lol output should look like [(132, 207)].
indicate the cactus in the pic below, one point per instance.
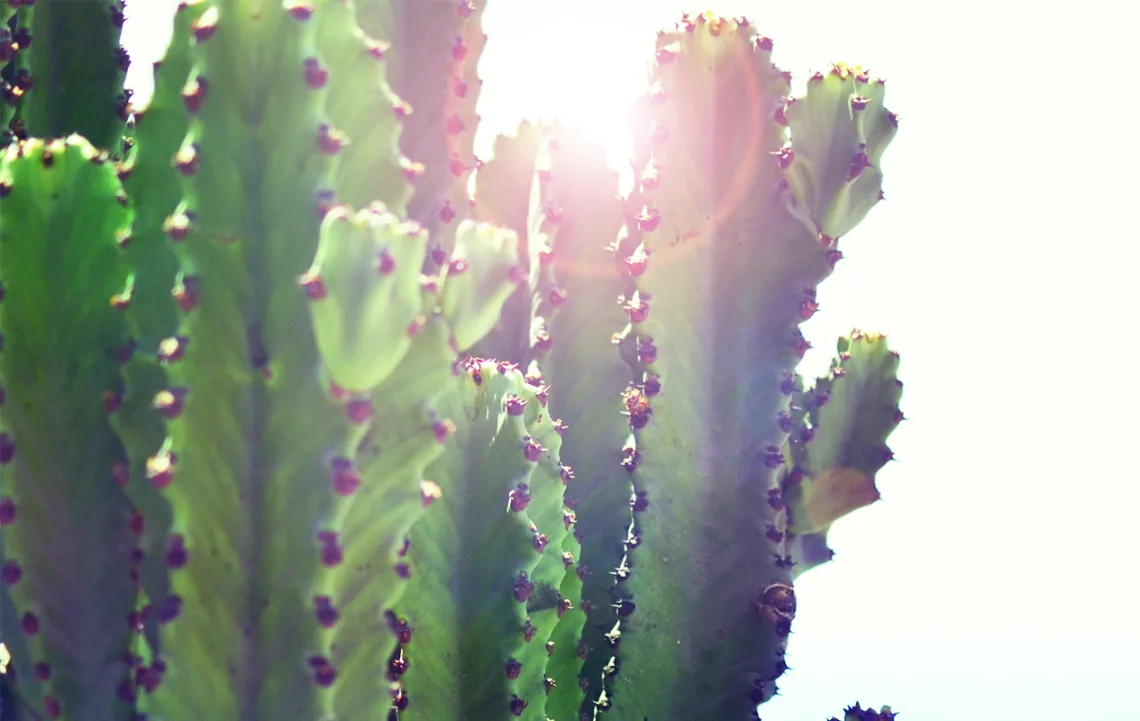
[(294, 427)]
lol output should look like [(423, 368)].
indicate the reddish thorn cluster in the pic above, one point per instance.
[(11, 572), (859, 163), (397, 665), (171, 350), (7, 511), (187, 160), (458, 50), (324, 674), (442, 430), (523, 587), (299, 10), (30, 623), (637, 407), (385, 263), (515, 405), (513, 668), (446, 212), (51, 707), (775, 500), (648, 220), (399, 628), (316, 75), (345, 477), (532, 450), (519, 498), (203, 28), (630, 459), (187, 292), (177, 226), (169, 610), (517, 705), (329, 139), (638, 309), (773, 458), (194, 94), (176, 555), (170, 402), (358, 410), (331, 552), (160, 469), (566, 473)]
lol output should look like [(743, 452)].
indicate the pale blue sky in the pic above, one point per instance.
[(993, 581)]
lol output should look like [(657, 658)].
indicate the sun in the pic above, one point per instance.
[(572, 63)]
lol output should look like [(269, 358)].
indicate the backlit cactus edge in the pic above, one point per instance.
[(256, 460)]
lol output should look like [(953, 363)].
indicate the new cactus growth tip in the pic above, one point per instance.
[(294, 427)]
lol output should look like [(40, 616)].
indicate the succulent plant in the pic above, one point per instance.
[(292, 426)]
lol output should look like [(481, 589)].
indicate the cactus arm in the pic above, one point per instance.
[(729, 269), (479, 562), (15, 78), (63, 518), (839, 444), (157, 133), (437, 45), (503, 186), (576, 217), (77, 70), (858, 713), (363, 107)]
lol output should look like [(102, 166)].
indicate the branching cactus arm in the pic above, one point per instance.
[(63, 518), (732, 257), (485, 560), (839, 443)]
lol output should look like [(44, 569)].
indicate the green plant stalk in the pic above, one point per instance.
[(503, 187), (269, 576), (15, 77), (77, 69), (839, 443), (731, 257), (437, 45), (485, 560), (576, 216), (63, 518)]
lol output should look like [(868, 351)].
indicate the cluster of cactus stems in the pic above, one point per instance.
[(293, 426)]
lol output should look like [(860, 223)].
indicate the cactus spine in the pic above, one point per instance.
[(248, 394)]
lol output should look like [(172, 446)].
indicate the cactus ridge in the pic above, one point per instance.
[(62, 216), (486, 559), (838, 443), (718, 280)]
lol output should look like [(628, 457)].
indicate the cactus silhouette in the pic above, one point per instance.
[(295, 427)]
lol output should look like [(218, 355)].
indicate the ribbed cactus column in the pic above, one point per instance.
[(486, 560), (287, 486), (64, 521), (729, 259), (576, 218)]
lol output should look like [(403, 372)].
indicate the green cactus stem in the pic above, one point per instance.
[(270, 580), (839, 443), (75, 72), (436, 47), (503, 186), (486, 561), (581, 280), (858, 713), (732, 247), (64, 519), (15, 77)]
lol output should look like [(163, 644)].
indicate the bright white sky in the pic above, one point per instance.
[(994, 582)]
